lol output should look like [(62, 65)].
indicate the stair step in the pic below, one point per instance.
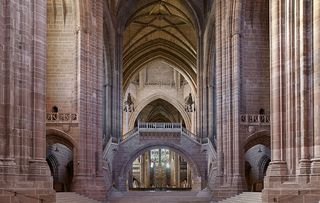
[(246, 197), (71, 197), (158, 197)]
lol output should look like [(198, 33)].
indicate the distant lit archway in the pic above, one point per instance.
[(160, 169)]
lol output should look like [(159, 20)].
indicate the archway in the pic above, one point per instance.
[(160, 169), (60, 156), (60, 161), (257, 158), (190, 152), (194, 181)]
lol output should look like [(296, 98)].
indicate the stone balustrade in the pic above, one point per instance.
[(129, 134), (164, 128), (190, 134), (62, 118), (160, 83), (159, 126), (255, 119)]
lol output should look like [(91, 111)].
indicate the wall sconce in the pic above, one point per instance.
[(189, 105), (128, 104)]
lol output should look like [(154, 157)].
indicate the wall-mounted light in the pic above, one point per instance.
[(189, 105), (128, 104)]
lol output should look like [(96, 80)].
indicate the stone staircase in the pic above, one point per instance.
[(158, 197), (71, 197), (245, 197)]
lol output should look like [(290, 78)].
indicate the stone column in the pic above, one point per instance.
[(7, 94), (38, 165), (316, 88), (147, 178), (188, 175), (219, 117), (277, 63), (142, 169), (130, 178), (22, 102), (304, 40), (277, 169), (177, 166), (200, 98), (196, 183), (211, 112), (238, 153)]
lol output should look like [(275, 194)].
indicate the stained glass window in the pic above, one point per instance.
[(154, 157), (164, 157)]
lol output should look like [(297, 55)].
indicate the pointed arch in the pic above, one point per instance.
[(133, 117)]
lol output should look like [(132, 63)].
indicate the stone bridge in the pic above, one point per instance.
[(154, 135)]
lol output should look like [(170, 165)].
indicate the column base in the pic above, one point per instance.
[(33, 187), (304, 166), (39, 171), (315, 166), (304, 171), (223, 192), (302, 188), (7, 164), (291, 193), (93, 187), (276, 174), (238, 183), (30, 195), (121, 184), (233, 186), (315, 172), (196, 183)]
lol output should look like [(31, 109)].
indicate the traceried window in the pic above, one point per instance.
[(154, 157), (159, 157)]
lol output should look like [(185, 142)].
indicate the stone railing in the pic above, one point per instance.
[(190, 134), (159, 126), (255, 119), (129, 134), (62, 118), (160, 83)]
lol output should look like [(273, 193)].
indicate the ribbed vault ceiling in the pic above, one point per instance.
[(161, 27), (161, 19)]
